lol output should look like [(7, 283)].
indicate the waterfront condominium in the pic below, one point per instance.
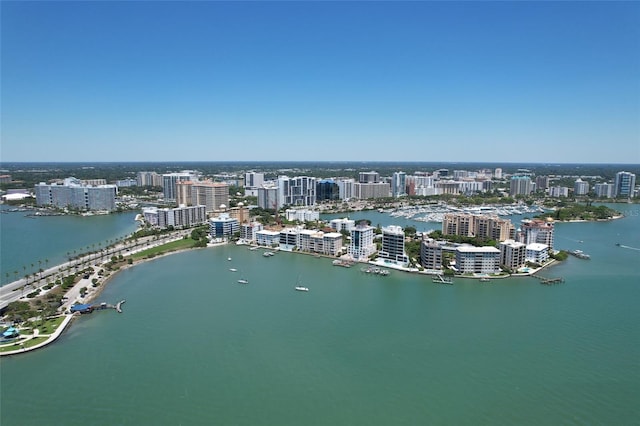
[(223, 227), (180, 217), (537, 231), (624, 184), (473, 225), (512, 254), (72, 194), (393, 245), (477, 260), (431, 254), (362, 245)]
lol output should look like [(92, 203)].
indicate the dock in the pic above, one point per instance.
[(549, 281)]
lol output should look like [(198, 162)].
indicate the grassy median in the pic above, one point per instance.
[(164, 248)]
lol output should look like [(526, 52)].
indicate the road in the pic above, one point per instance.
[(18, 289)]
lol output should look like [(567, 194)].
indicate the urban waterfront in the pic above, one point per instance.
[(195, 347)]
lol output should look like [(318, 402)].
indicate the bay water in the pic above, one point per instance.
[(195, 347), (29, 243)]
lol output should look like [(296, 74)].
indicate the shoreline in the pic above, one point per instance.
[(91, 296), (95, 292)]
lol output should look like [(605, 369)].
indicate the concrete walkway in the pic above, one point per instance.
[(50, 338)]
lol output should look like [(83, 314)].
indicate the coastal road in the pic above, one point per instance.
[(16, 290)]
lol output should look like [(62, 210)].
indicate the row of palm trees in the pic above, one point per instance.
[(81, 258)]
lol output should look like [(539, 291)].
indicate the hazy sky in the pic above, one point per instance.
[(398, 81)]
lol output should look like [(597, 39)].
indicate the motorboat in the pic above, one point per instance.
[(301, 288), (243, 281), (233, 269)]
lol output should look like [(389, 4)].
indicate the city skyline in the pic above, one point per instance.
[(552, 82)]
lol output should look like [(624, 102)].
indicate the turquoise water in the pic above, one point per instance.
[(25, 241), (195, 347)]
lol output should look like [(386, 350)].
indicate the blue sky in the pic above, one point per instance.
[(371, 81)]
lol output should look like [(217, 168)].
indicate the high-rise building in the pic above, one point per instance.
[(624, 185), (268, 197), (558, 191), (399, 184), (580, 187), (253, 179), (149, 179), (520, 185), (538, 231), (296, 191), (72, 194), (169, 181), (431, 254), (183, 193), (180, 217), (365, 191), (327, 189), (542, 183), (512, 254), (393, 245), (473, 225), (497, 173), (604, 190), (369, 177), (213, 195), (362, 245), (346, 188)]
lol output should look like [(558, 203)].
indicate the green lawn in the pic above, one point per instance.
[(172, 246)]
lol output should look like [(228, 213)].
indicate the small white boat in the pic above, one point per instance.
[(300, 287), (233, 269), (229, 259), (243, 281)]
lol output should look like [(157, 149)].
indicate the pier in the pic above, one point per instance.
[(549, 281)]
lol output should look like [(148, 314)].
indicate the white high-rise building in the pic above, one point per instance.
[(253, 180), (362, 245), (393, 245), (296, 191), (169, 181), (624, 184), (520, 185), (580, 187), (603, 190), (399, 184)]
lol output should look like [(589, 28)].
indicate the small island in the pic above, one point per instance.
[(581, 213)]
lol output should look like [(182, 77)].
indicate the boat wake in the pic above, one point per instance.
[(629, 247)]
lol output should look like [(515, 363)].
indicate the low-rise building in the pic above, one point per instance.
[(267, 238), (223, 227), (537, 253)]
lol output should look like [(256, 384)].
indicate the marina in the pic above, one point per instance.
[(267, 340)]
